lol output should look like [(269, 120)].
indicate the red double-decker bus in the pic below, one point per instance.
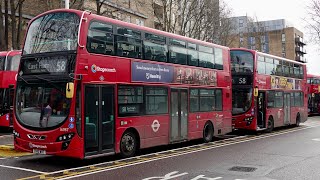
[(314, 94), (267, 91), (90, 86), (9, 64)]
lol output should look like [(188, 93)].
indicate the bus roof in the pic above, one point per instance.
[(268, 55), (133, 26), (313, 76)]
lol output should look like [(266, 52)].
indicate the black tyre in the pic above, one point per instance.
[(128, 144), (208, 132), (270, 125), (298, 120)]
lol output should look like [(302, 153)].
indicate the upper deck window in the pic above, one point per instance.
[(52, 32), (155, 47), (100, 38), (128, 43), (241, 61)]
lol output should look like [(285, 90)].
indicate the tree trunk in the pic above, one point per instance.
[(2, 40), (19, 24), (6, 24), (13, 25)]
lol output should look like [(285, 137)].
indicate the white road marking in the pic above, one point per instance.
[(183, 153), (316, 139), (23, 169)]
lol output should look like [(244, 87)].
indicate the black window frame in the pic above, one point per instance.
[(198, 99), (146, 96), (105, 42)]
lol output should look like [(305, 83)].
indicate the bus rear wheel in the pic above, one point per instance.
[(128, 144), (298, 120), (270, 125), (207, 132)]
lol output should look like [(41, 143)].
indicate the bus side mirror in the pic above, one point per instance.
[(69, 90), (255, 92)]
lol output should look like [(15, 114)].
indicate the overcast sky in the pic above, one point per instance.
[(292, 10)]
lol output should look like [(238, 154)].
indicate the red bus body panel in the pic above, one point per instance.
[(7, 78), (121, 74), (263, 83), (313, 95)]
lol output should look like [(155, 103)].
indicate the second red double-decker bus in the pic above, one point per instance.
[(268, 91), (9, 64), (134, 87), (314, 94)]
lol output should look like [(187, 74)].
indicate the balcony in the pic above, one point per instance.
[(299, 40), (301, 59), (301, 50)]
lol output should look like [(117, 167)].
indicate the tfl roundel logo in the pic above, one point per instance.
[(94, 68)]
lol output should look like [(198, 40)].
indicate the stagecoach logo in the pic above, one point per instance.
[(37, 146), (155, 125), (95, 68)]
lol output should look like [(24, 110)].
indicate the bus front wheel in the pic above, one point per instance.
[(128, 145), (270, 125), (208, 132)]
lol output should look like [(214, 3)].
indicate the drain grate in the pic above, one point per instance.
[(242, 169)]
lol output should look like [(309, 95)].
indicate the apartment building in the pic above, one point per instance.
[(278, 37)]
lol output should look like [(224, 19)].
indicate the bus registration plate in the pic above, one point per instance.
[(39, 151)]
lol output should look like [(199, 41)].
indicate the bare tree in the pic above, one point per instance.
[(13, 24), (19, 29), (16, 25), (2, 40), (6, 23), (313, 21), (200, 19)]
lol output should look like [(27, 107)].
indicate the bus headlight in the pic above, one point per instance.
[(248, 120), (65, 137)]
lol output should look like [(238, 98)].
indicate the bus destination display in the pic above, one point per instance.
[(241, 80), (45, 65)]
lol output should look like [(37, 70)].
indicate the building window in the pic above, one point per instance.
[(283, 37), (128, 19), (140, 22), (240, 22), (283, 47), (263, 39)]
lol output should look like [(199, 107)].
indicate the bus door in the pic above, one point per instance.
[(179, 115), (99, 119), (287, 106), (261, 121)]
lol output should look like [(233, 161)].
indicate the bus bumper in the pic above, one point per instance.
[(48, 148)]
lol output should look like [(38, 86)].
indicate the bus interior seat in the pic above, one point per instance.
[(132, 54), (160, 57), (120, 52), (109, 51), (91, 132), (100, 49), (148, 55)]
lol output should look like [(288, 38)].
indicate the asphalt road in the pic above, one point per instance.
[(288, 153)]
